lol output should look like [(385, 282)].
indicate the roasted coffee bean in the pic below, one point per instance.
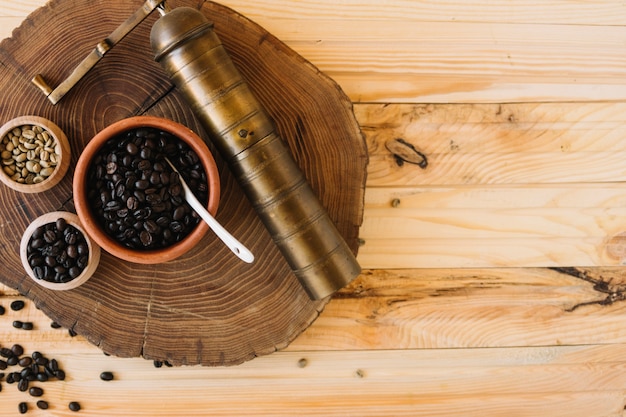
[(42, 405), (60, 375), (72, 252), (35, 391), (6, 352), (17, 305), (2, 310), (74, 406), (132, 149), (3, 365), (25, 372), (106, 376), (82, 261), (71, 237), (22, 407), (55, 325), (27, 325), (111, 168), (25, 361), (179, 213), (177, 227), (12, 360), (22, 385), (50, 236), (18, 324), (17, 350)]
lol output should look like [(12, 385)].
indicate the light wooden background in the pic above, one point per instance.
[(492, 282)]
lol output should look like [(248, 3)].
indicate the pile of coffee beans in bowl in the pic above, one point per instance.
[(135, 195), (57, 252), (34, 153)]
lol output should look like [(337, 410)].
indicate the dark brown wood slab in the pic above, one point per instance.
[(206, 307)]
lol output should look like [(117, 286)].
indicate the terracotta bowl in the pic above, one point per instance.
[(58, 143), (93, 226), (71, 219)]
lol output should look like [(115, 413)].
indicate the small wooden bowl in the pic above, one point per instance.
[(61, 147), (92, 225), (71, 219)]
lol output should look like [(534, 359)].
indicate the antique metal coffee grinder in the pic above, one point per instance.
[(189, 51)]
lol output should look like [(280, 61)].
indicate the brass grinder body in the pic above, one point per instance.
[(189, 50)]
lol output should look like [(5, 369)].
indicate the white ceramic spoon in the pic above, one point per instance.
[(233, 244)]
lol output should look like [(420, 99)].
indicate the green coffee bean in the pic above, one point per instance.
[(28, 154)]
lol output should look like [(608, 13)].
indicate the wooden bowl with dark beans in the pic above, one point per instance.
[(57, 253), (34, 152), (129, 199)]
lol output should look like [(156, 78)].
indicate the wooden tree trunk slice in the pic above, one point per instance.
[(206, 307)]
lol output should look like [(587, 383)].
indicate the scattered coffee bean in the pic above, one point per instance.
[(106, 376), (72, 333), (35, 391), (57, 252), (22, 407), (6, 352), (17, 305), (17, 350), (2, 310), (74, 406), (25, 361), (136, 195), (55, 325), (42, 405), (18, 324), (157, 364), (22, 384), (27, 325)]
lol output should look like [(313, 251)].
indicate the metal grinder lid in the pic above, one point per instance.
[(176, 26)]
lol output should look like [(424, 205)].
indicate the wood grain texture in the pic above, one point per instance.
[(480, 185), (416, 51), (408, 342), (205, 307)]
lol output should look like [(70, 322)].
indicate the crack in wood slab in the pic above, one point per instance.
[(612, 292)]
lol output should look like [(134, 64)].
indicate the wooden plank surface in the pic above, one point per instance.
[(493, 282)]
